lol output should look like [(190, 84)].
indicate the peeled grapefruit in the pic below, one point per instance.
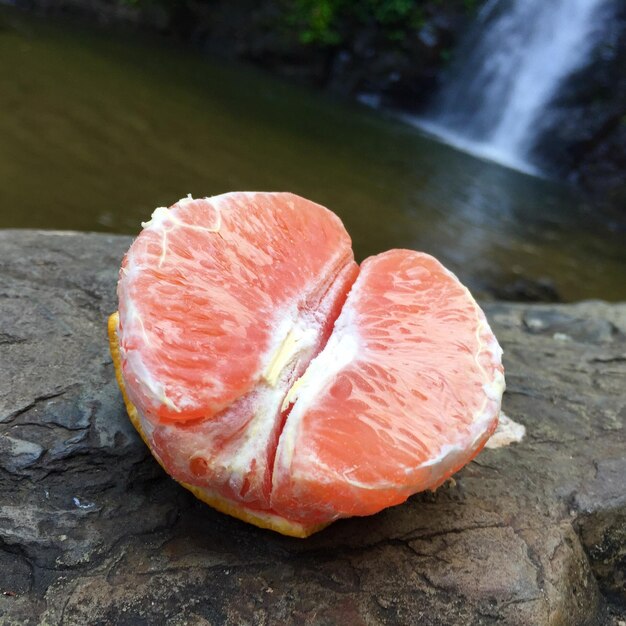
[(283, 384)]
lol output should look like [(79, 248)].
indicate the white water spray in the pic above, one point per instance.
[(509, 69)]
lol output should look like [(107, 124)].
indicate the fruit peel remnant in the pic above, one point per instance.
[(506, 433)]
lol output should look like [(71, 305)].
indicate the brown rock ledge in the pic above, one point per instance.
[(92, 530)]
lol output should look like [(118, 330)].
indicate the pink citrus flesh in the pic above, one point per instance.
[(282, 383)]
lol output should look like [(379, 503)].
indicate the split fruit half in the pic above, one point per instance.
[(282, 383)]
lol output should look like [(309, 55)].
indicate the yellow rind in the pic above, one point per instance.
[(269, 521)]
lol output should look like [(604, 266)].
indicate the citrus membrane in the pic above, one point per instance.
[(282, 383)]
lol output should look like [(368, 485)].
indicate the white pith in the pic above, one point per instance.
[(294, 340), (294, 337), (293, 343), (338, 354)]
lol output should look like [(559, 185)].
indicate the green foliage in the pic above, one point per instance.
[(324, 22), (328, 23), (317, 20), (471, 5), (445, 55)]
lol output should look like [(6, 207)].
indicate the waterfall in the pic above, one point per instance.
[(496, 96)]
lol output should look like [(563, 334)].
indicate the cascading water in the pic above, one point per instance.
[(508, 70)]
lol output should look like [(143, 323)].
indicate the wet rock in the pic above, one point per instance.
[(522, 289), (16, 454), (583, 135), (602, 524), (93, 531), (565, 327)]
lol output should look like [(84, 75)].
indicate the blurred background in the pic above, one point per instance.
[(491, 134)]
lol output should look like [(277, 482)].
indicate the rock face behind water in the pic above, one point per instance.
[(585, 138), (93, 532)]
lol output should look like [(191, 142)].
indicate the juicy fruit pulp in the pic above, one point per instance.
[(283, 384)]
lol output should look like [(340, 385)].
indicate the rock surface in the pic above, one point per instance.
[(92, 530)]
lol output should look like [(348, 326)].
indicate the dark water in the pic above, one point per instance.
[(96, 131)]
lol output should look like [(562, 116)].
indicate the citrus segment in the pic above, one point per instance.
[(406, 391), (211, 286), (223, 302)]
